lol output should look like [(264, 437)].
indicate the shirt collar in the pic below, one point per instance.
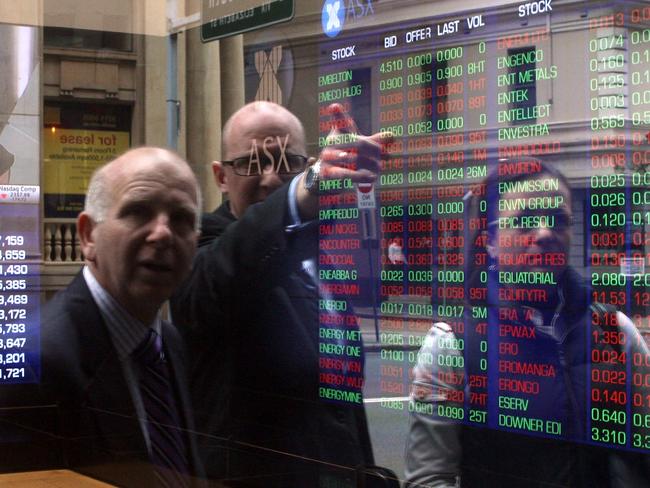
[(126, 332)]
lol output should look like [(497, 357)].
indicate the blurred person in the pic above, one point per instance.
[(6, 162), (250, 309), (110, 365), (547, 329)]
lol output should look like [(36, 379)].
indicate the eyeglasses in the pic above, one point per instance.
[(286, 164)]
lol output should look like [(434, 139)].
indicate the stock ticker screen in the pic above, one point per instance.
[(19, 284), (512, 209)]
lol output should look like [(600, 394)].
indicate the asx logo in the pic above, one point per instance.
[(336, 12)]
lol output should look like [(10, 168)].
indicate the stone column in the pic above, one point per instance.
[(203, 112), (232, 75)]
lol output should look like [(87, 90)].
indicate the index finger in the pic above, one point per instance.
[(341, 120), (381, 137)]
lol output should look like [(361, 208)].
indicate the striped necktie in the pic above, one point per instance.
[(168, 451)]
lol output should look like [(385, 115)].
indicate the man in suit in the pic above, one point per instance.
[(250, 309), (111, 370)]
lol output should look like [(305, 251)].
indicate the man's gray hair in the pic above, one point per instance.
[(98, 197)]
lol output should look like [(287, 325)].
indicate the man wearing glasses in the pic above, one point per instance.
[(250, 308)]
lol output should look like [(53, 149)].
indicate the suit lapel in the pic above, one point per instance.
[(105, 432), (107, 417)]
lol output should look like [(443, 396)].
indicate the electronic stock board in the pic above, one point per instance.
[(502, 92), (19, 284)]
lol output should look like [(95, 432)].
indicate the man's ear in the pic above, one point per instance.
[(220, 177), (85, 231)]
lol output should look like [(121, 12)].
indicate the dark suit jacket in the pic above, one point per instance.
[(86, 413), (253, 330)]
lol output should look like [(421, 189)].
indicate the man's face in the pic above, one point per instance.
[(252, 136), (144, 247), (533, 229)]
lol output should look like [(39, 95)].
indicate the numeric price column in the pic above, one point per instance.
[(419, 197), (19, 285), (607, 411), (392, 221), (639, 97), (639, 235), (450, 69)]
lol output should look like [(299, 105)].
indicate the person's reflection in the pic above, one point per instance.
[(518, 399), (395, 253), (6, 162)]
